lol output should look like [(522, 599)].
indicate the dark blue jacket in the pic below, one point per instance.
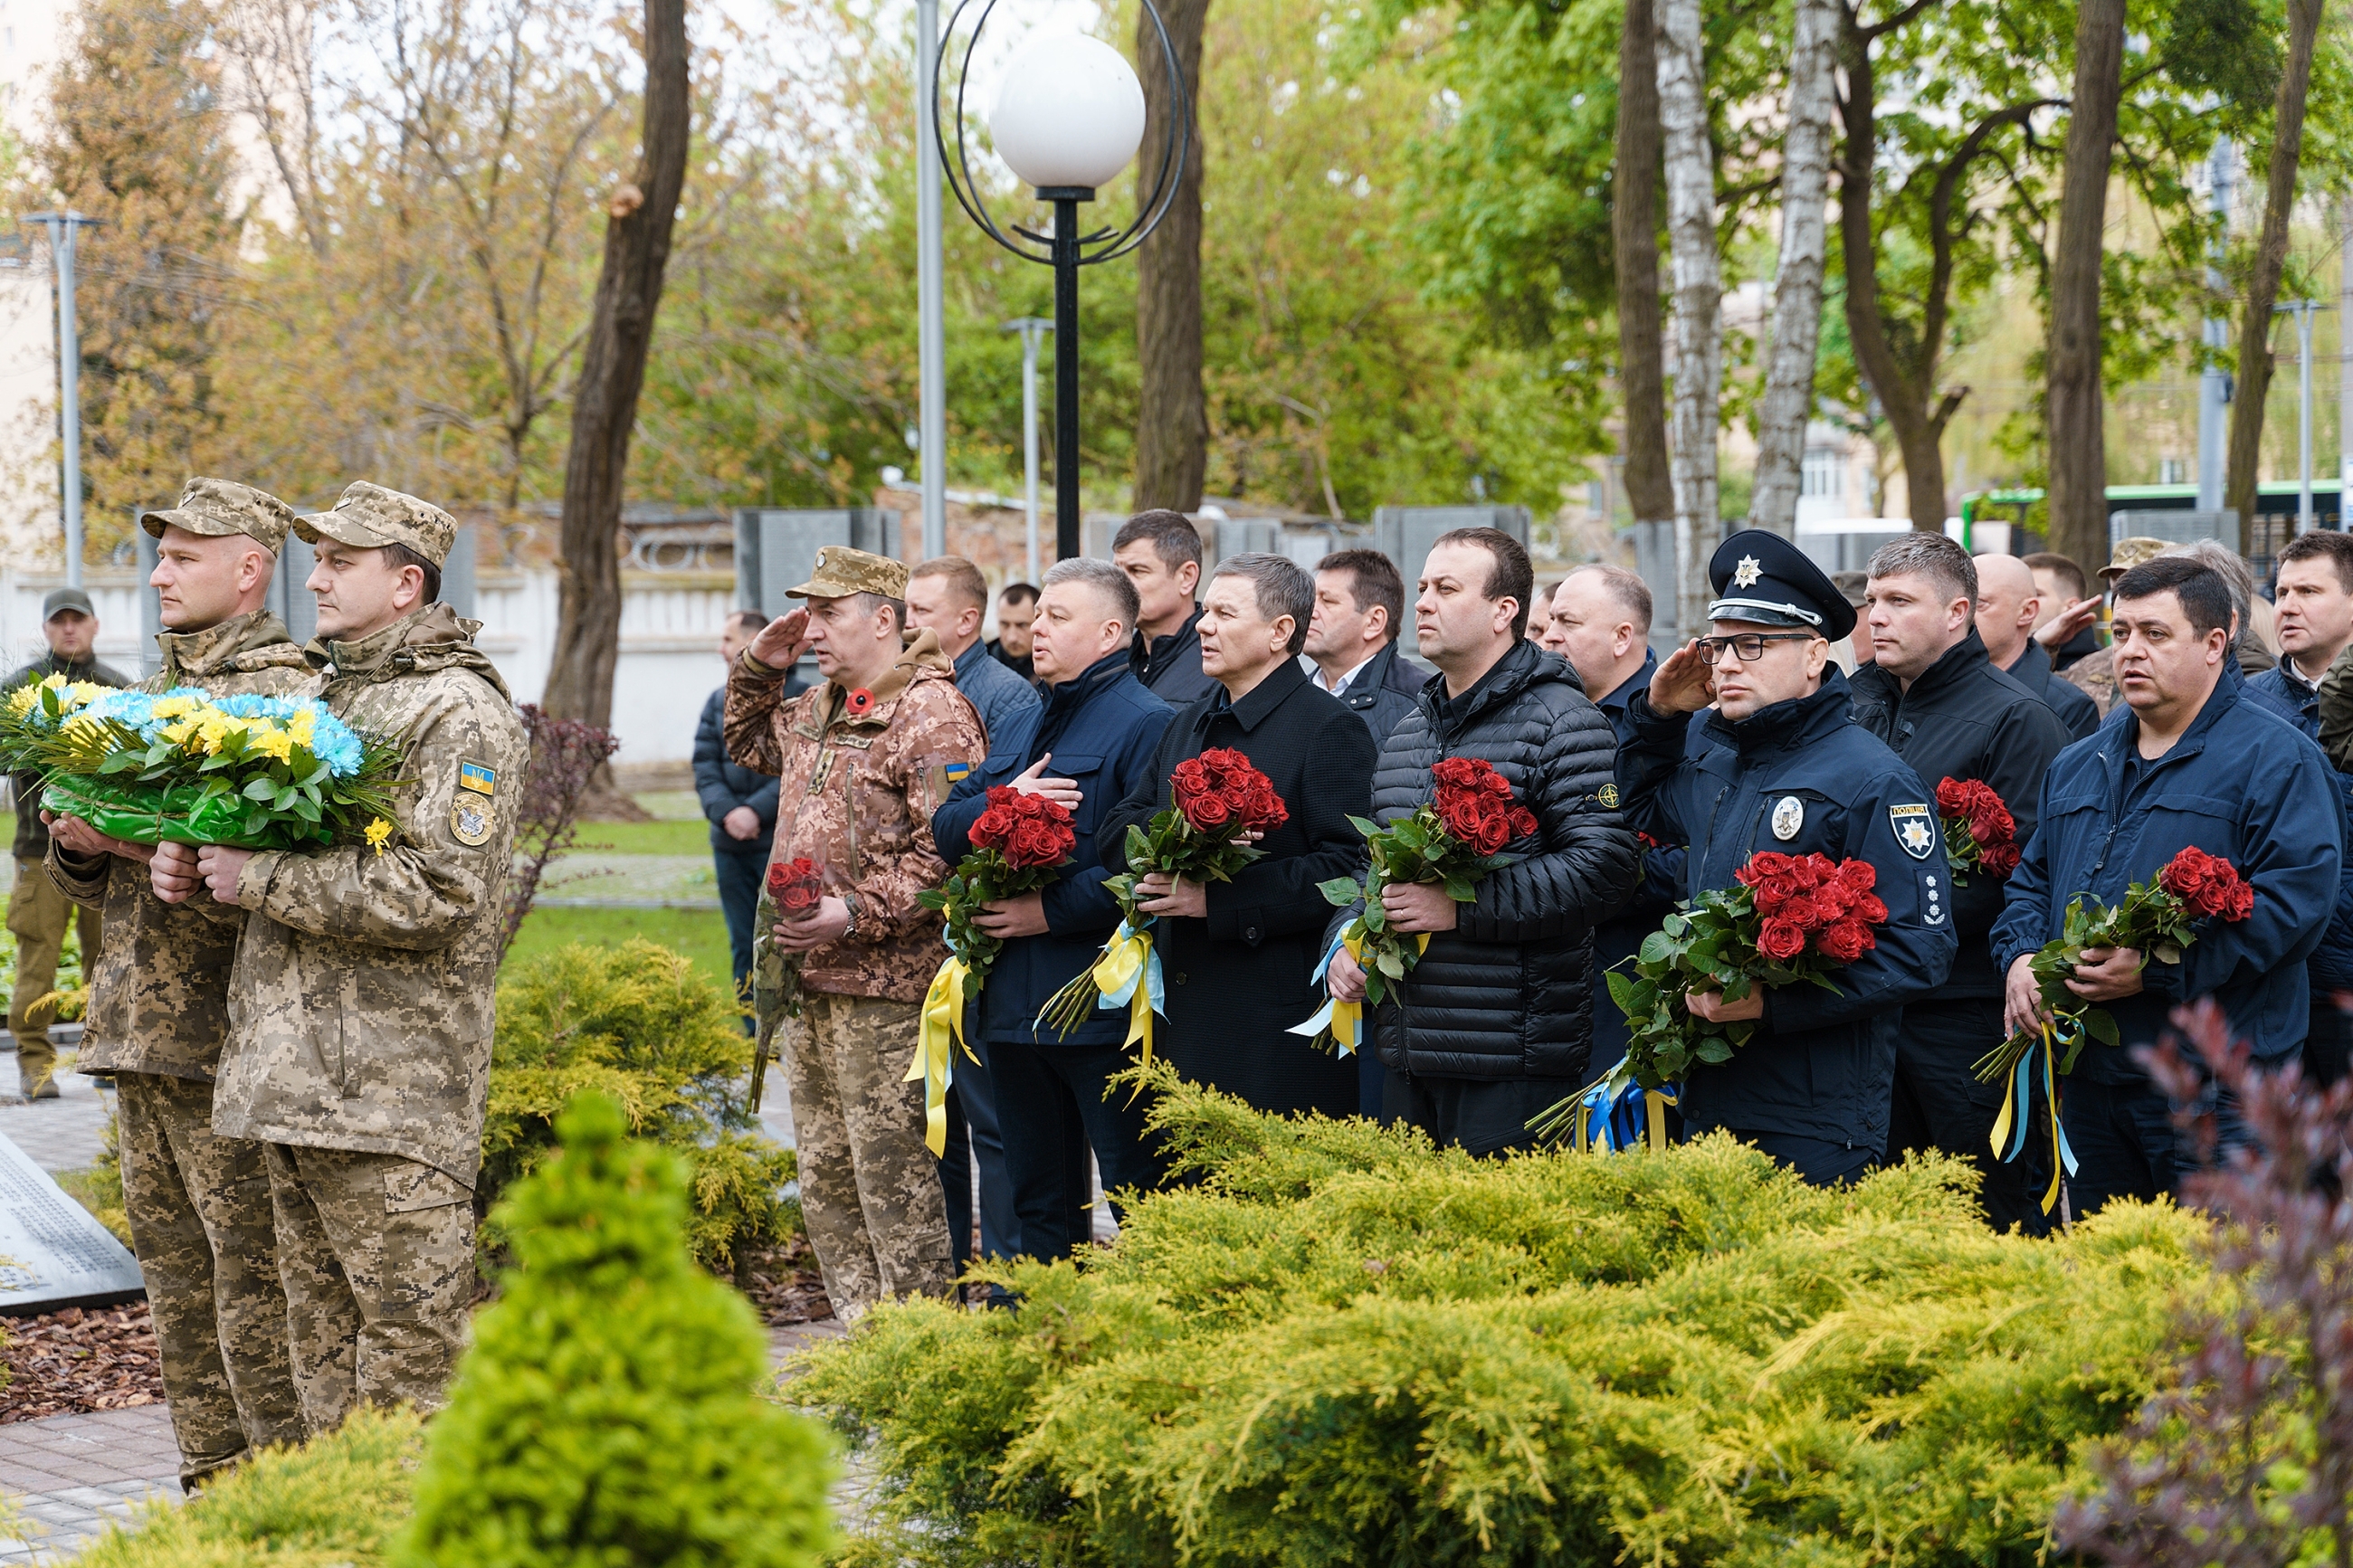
[(1618, 938), (1008, 705), (2242, 784), (724, 785), (2330, 966), (1384, 691), (1102, 729), (1821, 1063)]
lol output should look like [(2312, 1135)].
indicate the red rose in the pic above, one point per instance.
[(1781, 940), (2000, 860), (1498, 785), (1208, 811), (2243, 902), (2186, 875), (1868, 908), (1859, 876), (1763, 864), (795, 884), (1845, 942), (1798, 911), (1524, 822), (1769, 896), (988, 830), (1952, 797)]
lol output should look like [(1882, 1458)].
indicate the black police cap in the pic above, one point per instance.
[(1762, 578)]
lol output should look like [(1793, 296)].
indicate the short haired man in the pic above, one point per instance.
[(741, 805), (2195, 760), (1017, 608), (362, 1005), (2094, 671), (2008, 606), (1160, 551), (1493, 1023), (2070, 611), (1051, 1095), (1237, 956), (1933, 696), (2313, 592), (37, 913), (1782, 766), (1352, 642), (1600, 623), (1853, 586), (198, 1202), (864, 760), (948, 596)]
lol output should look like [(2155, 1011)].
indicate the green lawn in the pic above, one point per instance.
[(644, 838), (701, 934)]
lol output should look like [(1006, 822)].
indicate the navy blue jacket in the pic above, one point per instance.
[(1008, 705), (1384, 691), (1618, 938), (2241, 784), (1104, 729), (2073, 705), (1821, 1063), (723, 785), (2330, 966)]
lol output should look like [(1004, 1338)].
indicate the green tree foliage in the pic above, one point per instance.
[(1342, 1346), (637, 1023), (607, 1414), (332, 1503)]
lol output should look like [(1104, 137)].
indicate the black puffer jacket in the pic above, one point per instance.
[(1509, 993)]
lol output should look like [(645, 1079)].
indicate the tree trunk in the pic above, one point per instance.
[(1788, 404), (1171, 419), (1903, 392), (1634, 242), (1699, 292), (2079, 453), (612, 374), (2254, 371)]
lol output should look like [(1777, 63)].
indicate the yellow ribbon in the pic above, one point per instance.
[(2013, 1115), (1347, 1018), (1122, 968), (938, 1036), (1656, 1101)]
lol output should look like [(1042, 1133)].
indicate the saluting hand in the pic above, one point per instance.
[(781, 640), (1062, 792), (2062, 628), (1684, 682)]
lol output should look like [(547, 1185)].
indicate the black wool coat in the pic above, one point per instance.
[(1238, 980)]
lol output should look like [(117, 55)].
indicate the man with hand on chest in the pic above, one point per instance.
[(1783, 767)]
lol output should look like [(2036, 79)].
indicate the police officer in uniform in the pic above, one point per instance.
[(1779, 764)]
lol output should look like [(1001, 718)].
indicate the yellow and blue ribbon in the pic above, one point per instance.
[(1345, 1020), (1612, 1120), (2009, 1136), (1128, 975), (939, 1035)]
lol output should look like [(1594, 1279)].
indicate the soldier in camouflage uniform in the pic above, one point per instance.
[(863, 760), (198, 1202), (361, 1006)]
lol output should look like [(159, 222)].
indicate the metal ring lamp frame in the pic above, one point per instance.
[(1065, 249)]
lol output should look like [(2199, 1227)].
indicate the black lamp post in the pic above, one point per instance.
[(1068, 118)]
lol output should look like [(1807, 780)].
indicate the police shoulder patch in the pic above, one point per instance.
[(1916, 829)]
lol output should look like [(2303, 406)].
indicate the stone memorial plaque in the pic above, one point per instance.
[(53, 1253)]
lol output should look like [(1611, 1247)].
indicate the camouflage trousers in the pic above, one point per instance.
[(201, 1223), (39, 916), (377, 1254), (870, 1188)]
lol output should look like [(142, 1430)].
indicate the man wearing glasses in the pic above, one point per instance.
[(1781, 766)]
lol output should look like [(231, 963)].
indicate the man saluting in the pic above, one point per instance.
[(1781, 766)]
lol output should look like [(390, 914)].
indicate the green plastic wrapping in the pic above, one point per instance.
[(146, 814)]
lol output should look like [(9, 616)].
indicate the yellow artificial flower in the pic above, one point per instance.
[(378, 832), (178, 731), (175, 707), (270, 740), (55, 682), (215, 728), (22, 700), (301, 727), (82, 694)]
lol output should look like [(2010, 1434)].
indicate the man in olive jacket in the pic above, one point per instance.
[(198, 1203), (362, 1003)]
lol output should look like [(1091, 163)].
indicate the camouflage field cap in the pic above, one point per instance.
[(840, 571), (219, 507), (2130, 552), (368, 517)]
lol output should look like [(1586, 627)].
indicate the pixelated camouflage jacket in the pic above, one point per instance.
[(159, 991), (362, 1003), (856, 794)]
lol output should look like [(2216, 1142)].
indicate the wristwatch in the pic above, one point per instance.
[(850, 902)]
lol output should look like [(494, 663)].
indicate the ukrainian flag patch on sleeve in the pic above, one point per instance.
[(477, 776)]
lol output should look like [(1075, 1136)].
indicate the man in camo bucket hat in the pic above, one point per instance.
[(361, 1004), (158, 1014)]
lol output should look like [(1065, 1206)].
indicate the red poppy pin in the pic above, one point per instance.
[(859, 702)]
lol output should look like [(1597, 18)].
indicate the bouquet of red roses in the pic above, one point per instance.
[(1453, 840), (1788, 920), (793, 888), (1220, 800), (1016, 843), (1979, 833)]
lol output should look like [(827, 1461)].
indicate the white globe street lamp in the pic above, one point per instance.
[(1068, 118)]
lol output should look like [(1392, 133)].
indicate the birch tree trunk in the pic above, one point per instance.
[(1788, 404), (2254, 368), (2078, 436), (1699, 291), (1634, 245)]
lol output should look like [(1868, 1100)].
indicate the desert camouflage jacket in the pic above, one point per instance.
[(159, 991), (856, 794), (362, 1005)]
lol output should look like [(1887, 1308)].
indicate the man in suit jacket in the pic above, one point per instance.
[(1352, 643), (1238, 956)]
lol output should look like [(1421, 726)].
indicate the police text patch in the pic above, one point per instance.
[(1916, 829)]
